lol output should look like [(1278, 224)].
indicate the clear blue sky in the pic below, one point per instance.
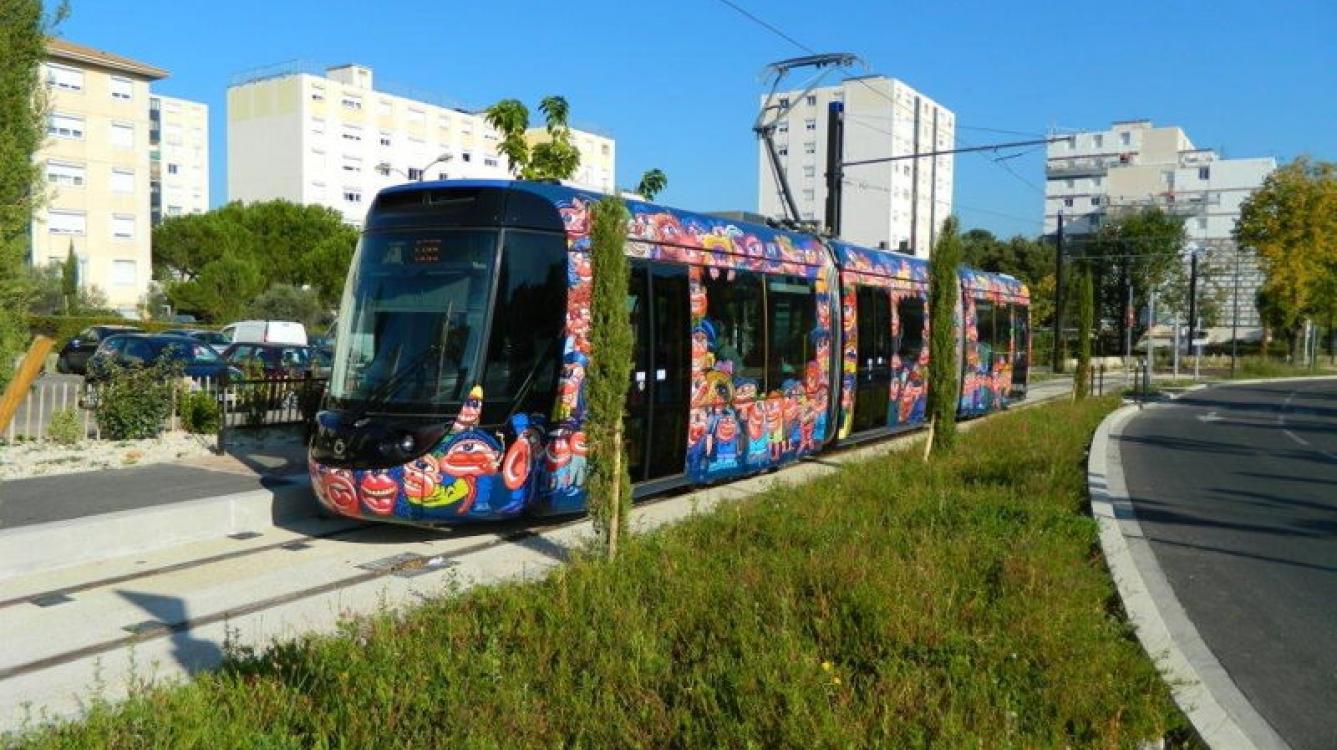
[(676, 83)]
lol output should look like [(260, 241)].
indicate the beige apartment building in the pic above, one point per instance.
[(96, 161), (330, 137), (179, 157)]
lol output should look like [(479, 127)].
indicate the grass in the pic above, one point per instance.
[(895, 604), (1257, 367)]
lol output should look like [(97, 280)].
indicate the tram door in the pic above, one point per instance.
[(874, 369), (657, 401), (1021, 346)]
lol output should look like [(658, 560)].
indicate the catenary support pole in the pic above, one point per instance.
[(1057, 364), (835, 173)]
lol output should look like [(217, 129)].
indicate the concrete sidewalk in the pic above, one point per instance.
[(245, 466)]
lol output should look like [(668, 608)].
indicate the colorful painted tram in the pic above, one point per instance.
[(458, 386)]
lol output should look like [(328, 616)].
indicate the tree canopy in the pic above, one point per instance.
[(1031, 260), (215, 264), (552, 158), (1144, 249), (1291, 222)]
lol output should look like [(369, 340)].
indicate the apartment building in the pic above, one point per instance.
[(97, 165), (179, 157), (331, 138), (900, 204), (1133, 165), (598, 155)]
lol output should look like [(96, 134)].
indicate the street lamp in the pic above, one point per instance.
[(385, 168)]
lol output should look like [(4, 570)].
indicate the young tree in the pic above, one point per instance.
[(69, 281), (652, 183), (554, 157), (944, 299), (1144, 250), (1085, 322), (1291, 222), (608, 375)]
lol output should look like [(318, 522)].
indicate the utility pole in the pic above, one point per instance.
[(1057, 365), (933, 189), (835, 173), (1193, 296), (1235, 317), (1151, 333)]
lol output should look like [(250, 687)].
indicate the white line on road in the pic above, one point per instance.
[(1295, 437)]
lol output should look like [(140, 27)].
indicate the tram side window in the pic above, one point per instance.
[(525, 347), (1006, 315), (984, 327), (793, 315), (910, 313), (735, 312)]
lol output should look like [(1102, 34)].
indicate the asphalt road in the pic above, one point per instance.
[(1235, 487)]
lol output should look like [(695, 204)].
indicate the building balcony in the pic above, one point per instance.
[(1080, 169)]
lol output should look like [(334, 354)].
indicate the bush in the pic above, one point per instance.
[(199, 412), (135, 402), (66, 427)]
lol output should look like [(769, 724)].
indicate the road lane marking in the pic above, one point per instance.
[(1295, 437)]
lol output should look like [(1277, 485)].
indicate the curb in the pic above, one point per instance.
[(1202, 688), (62, 544)]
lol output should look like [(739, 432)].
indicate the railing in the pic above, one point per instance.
[(243, 404)]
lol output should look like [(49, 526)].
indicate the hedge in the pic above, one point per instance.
[(62, 328)]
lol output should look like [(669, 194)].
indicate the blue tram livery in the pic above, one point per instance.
[(457, 392)]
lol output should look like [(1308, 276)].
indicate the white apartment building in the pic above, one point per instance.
[(1133, 165), (899, 204), (335, 140), (179, 156), (96, 160)]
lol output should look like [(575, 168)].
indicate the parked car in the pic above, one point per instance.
[(216, 339), (281, 360), (198, 359), (265, 332), (76, 352)]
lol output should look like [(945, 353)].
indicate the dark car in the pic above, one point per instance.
[(215, 339), (74, 355), (281, 360), (198, 359)]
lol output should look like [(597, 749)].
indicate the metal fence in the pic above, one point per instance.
[(243, 404)]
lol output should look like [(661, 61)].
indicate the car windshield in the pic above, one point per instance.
[(411, 320), (187, 351)]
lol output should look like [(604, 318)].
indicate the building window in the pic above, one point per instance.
[(809, 194), (783, 127), (1098, 140), (415, 174), (1168, 176), (1095, 200), (122, 88), (123, 180), (352, 167), (812, 100), (385, 139), (783, 150), (352, 195), (61, 77), (352, 134), (417, 116), (65, 174), (1067, 202), (1126, 138), (317, 96), (66, 222), (1204, 173), (1069, 183), (351, 102), (123, 273), (440, 175), (173, 168), (173, 210), (490, 162), (466, 156), (1096, 181), (122, 136), (810, 124), (603, 149), (809, 171), (122, 227), (66, 126), (1202, 222), (810, 147), (784, 102)]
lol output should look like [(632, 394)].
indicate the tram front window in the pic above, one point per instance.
[(411, 321)]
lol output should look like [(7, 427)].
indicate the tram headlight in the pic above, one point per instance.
[(406, 443)]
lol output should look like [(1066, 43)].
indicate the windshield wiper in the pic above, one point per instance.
[(381, 393)]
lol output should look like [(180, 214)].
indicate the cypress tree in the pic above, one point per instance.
[(1085, 321), (608, 374), (944, 300)]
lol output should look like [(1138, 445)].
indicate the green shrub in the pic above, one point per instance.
[(135, 402), (66, 428), (255, 395), (199, 412)]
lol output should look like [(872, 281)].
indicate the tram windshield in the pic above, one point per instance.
[(411, 320)]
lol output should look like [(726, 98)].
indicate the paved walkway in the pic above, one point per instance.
[(1235, 488)]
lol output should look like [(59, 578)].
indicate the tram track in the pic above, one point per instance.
[(405, 564)]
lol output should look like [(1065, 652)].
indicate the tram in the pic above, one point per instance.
[(458, 387)]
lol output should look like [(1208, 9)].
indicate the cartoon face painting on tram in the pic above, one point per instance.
[(458, 389)]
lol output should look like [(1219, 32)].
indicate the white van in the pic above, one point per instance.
[(266, 331)]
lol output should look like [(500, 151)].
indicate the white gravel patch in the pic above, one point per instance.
[(36, 459)]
